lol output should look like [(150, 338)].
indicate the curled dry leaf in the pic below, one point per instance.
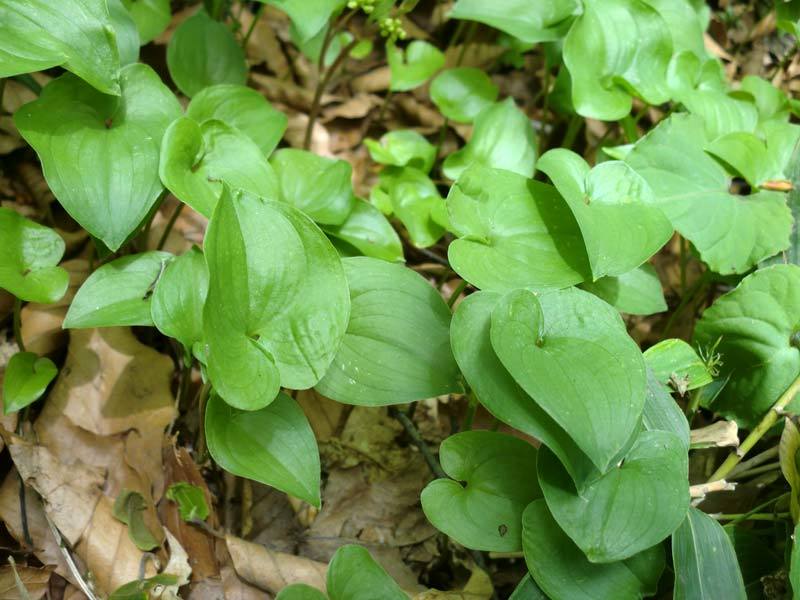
[(264, 47), (719, 434), (285, 92), (356, 107)]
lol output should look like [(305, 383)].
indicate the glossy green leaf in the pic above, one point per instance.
[(273, 445), (277, 304), (243, 108), (758, 326), (637, 292), (496, 389), (203, 52), (630, 58), (615, 209), (630, 508), (354, 575), (118, 293), (397, 346), (481, 505), (588, 374), (686, 24), (177, 303), (704, 561), (318, 186), (128, 508), (197, 159), (722, 112), (409, 194), (502, 138), (308, 16), (732, 233), (564, 573), (300, 591), (367, 230), (26, 379), (530, 21), (413, 65), (127, 35), (151, 17), (100, 153), (461, 93), (79, 34), (675, 362), (191, 501), (513, 232), (402, 148), (662, 413), (29, 257)]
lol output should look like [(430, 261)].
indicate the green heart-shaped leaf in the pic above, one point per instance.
[(652, 483), (587, 374), (615, 210), (705, 562), (502, 138), (29, 255), (530, 21), (196, 159), (243, 108), (151, 17), (308, 16), (564, 573), (354, 575), (367, 230), (513, 232), (273, 445), (397, 346), (39, 34), (26, 379), (100, 153), (414, 65), (481, 506), (732, 233), (757, 329), (497, 390), (461, 93), (637, 292), (277, 304), (177, 304), (318, 186), (203, 52), (118, 293), (403, 148), (674, 361), (300, 591)]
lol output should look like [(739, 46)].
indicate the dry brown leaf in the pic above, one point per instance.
[(376, 80), (430, 120), (235, 589), (35, 582), (324, 415), (719, 434), (296, 133), (478, 587), (287, 92), (178, 565), (272, 571), (264, 47), (481, 56), (356, 107), (189, 228)]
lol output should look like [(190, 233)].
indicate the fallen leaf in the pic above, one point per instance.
[(35, 582), (356, 107), (376, 80), (719, 434)]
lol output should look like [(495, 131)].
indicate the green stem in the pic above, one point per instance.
[(629, 129), (18, 324), (252, 27), (163, 240), (472, 408), (417, 440), (692, 405), (473, 27), (754, 517), (758, 508), (575, 123), (456, 293), (756, 434), (755, 471), (29, 82)]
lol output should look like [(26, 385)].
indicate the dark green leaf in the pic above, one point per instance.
[(128, 508), (527, 590), (26, 379), (191, 501), (661, 412), (354, 575), (461, 93)]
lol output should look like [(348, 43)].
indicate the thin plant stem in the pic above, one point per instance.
[(758, 508), (752, 517), (756, 434), (758, 459), (202, 397), (456, 293), (18, 324), (417, 440), (253, 24), (163, 240), (472, 408), (629, 129), (473, 27), (23, 512), (573, 128), (756, 471)]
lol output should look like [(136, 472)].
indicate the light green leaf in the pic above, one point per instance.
[(29, 255), (732, 233), (502, 138), (496, 389), (26, 379), (277, 304), (191, 501), (685, 24), (151, 17), (354, 575), (397, 346), (100, 153), (563, 572), (662, 413), (461, 93), (403, 148), (308, 16), (588, 374), (177, 304), (704, 560), (367, 230), (118, 293), (771, 102), (414, 65), (318, 186), (300, 591), (128, 508), (243, 108), (630, 58), (615, 209), (530, 21), (79, 34), (722, 112), (126, 33), (197, 159), (632, 507), (760, 350), (203, 52), (636, 292), (675, 362), (513, 232)]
